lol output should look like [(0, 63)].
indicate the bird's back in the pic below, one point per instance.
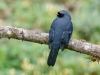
[(60, 25)]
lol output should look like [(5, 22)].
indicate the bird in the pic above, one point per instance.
[(59, 35)]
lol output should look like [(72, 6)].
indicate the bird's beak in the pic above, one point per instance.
[(57, 13)]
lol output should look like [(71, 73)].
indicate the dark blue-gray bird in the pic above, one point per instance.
[(59, 35)]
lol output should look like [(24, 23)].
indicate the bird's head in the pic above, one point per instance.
[(63, 13)]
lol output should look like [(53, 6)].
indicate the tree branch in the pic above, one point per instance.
[(42, 38)]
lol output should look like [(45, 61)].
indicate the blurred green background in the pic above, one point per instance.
[(27, 58)]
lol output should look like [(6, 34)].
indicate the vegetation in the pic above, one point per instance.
[(26, 58)]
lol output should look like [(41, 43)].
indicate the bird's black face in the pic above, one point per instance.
[(63, 13), (59, 14)]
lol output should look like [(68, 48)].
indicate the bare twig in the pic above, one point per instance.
[(42, 38)]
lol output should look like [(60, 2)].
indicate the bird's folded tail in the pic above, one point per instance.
[(53, 55)]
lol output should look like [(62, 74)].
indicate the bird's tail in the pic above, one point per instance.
[(53, 55)]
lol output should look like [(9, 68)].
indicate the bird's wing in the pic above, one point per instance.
[(51, 33), (66, 35), (65, 39), (51, 37)]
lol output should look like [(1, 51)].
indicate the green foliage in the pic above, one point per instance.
[(25, 58)]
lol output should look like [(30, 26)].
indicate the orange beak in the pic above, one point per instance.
[(57, 13)]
